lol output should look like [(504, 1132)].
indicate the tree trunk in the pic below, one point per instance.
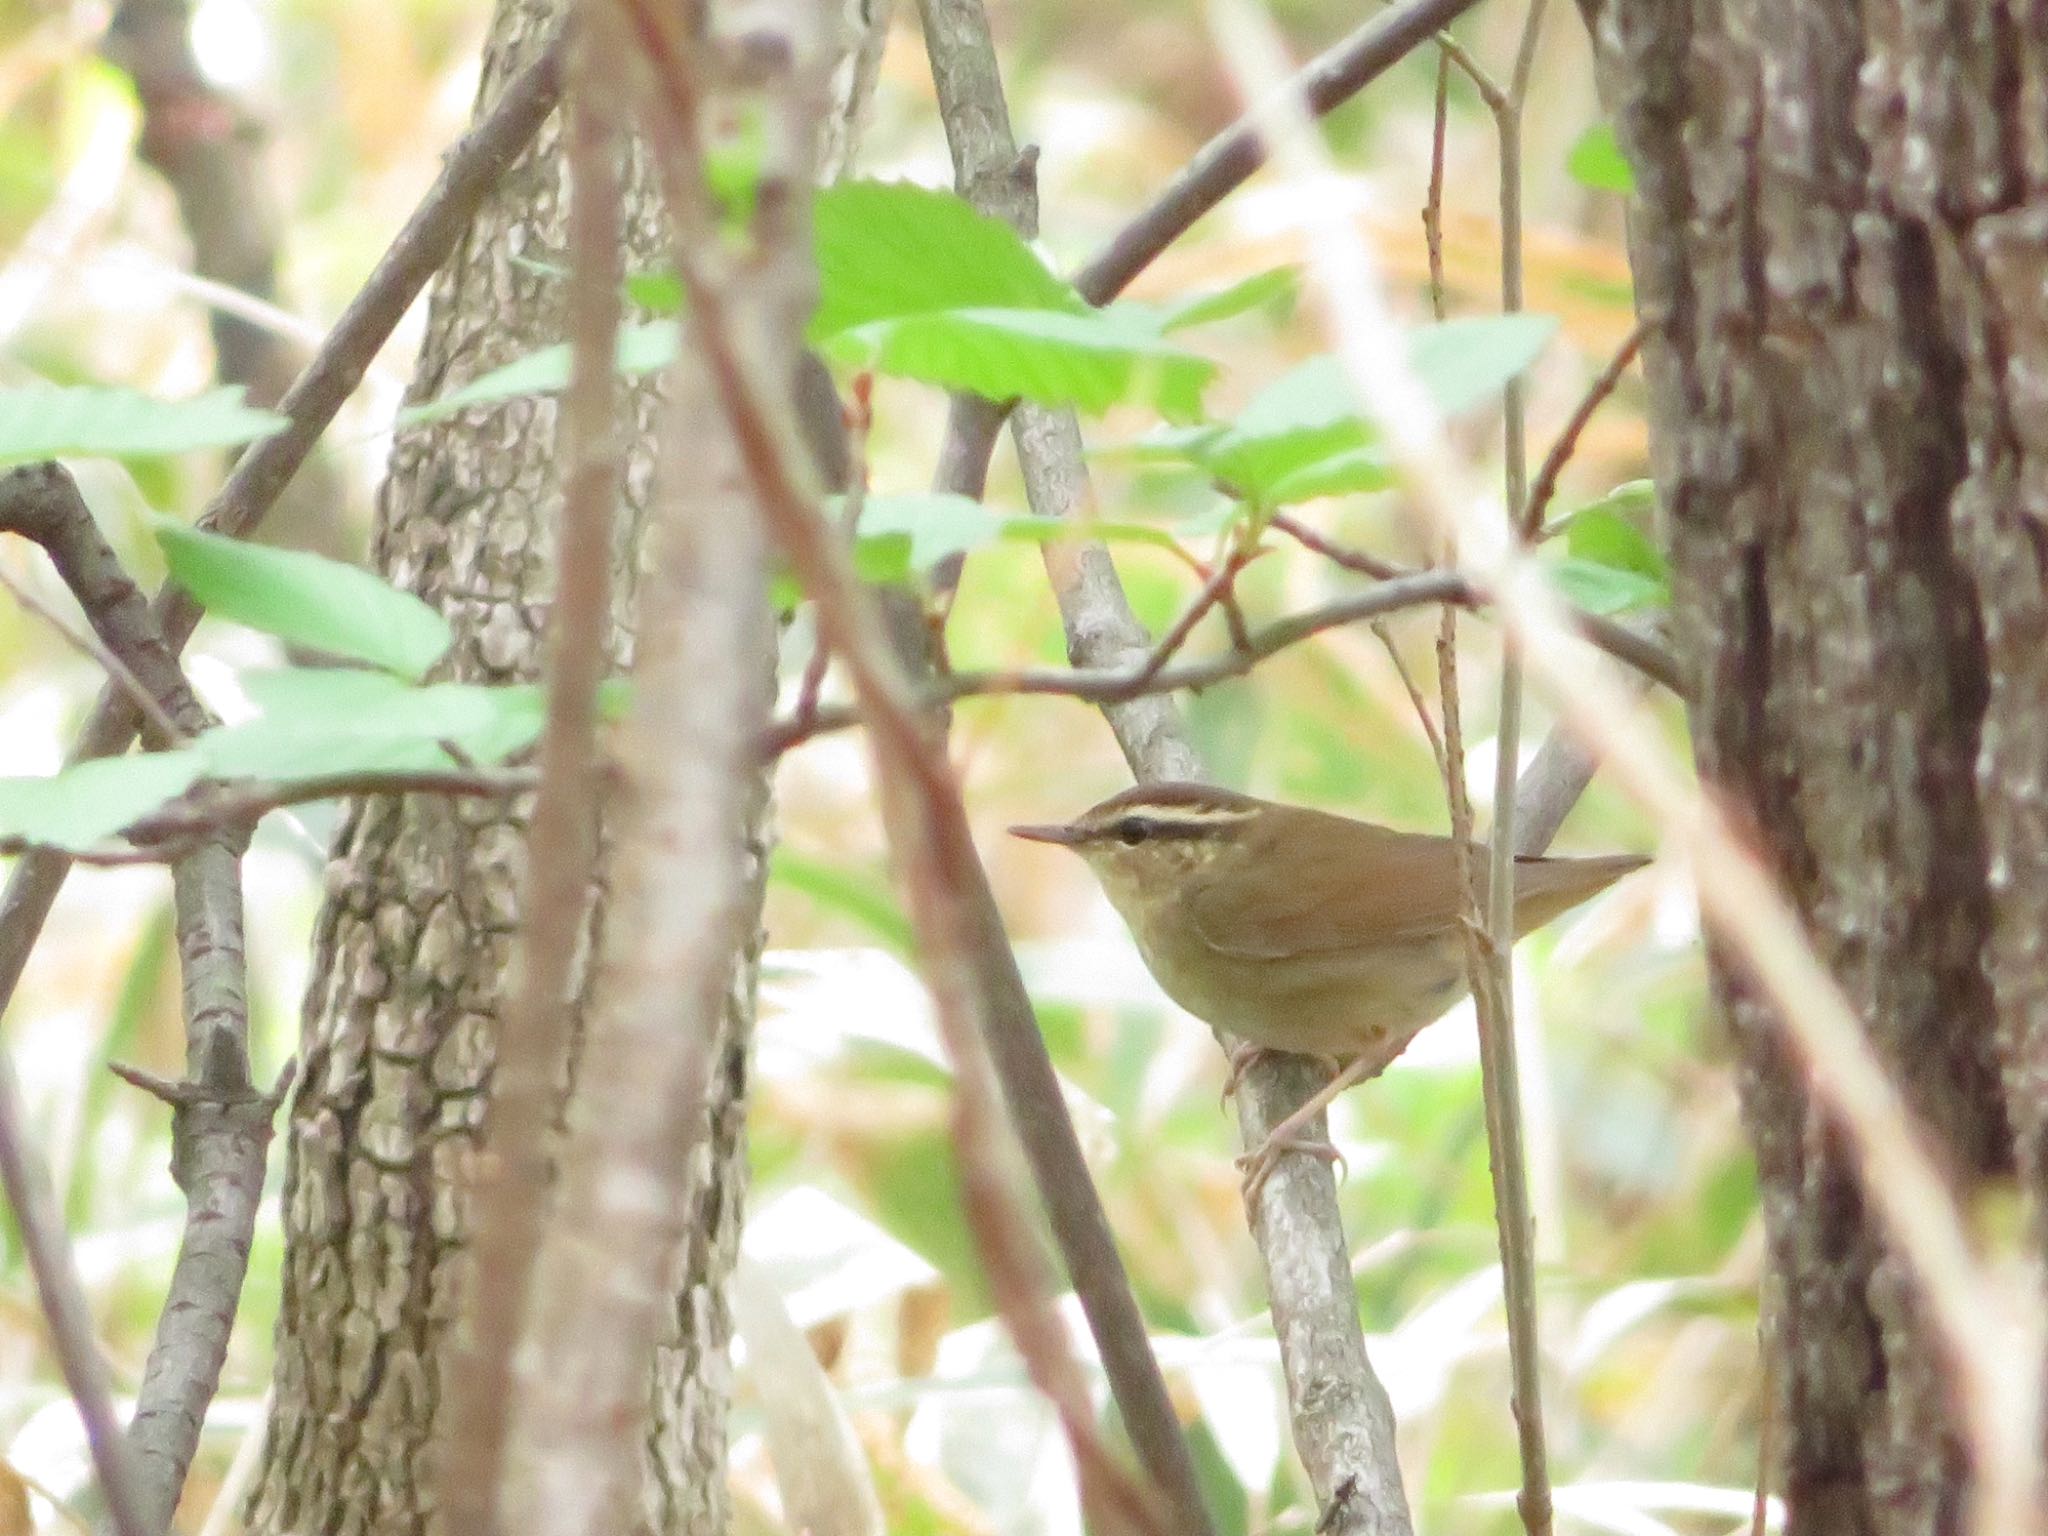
[(418, 933), (1843, 280)]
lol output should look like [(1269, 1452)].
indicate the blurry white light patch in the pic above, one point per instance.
[(817, 1002), (826, 1259), (231, 43)]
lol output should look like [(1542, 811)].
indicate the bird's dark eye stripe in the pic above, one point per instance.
[(1133, 830)]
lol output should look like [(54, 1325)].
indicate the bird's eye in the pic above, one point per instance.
[(1131, 831)]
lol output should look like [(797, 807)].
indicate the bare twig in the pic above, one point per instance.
[(221, 1127), (89, 645), (471, 169), (1499, 1070), (41, 503), (1358, 560), (513, 1170), (1544, 486), (1966, 1306), (1143, 679), (62, 1294)]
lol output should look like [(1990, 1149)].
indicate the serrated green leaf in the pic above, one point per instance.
[(1090, 361), (306, 599), (889, 250), (47, 421), (1303, 435), (91, 801), (1255, 292), (642, 349), (317, 721), (1596, 161)]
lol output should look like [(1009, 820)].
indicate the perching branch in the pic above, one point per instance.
[(1343, 1423)]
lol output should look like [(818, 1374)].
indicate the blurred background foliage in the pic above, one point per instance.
[(1647, 1225)]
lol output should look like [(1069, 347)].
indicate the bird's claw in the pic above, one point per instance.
[(1258, 1166), (1241, 1059)]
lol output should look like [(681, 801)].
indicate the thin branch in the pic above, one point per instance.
[(928, 829), (680, 891), (1968, 1308), (220, 1128), (41, 503), (1227, 161), (469, 172), (1499, 1070), (1544, 487), (513, 1173), (63, 1298), (95, 650), (1147, 677), (1343, 1423), (214, 807)]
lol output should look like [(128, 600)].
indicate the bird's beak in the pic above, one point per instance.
[(1067, 835)]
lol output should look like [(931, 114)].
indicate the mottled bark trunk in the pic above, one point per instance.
[(1835, 250), (413, 947)]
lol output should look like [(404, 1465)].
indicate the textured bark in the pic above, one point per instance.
[(1841, 271), (417, 934)]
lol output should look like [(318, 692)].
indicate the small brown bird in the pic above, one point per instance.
[(1297, 930)]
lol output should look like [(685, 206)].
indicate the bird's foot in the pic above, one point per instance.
[(1258, 1166)]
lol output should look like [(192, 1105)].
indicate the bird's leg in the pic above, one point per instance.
[(1257, 1166)]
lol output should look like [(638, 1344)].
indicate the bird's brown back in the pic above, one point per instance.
[(1371, 886)]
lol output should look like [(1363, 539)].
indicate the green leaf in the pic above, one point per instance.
[(1607, 536), (1091, 361), (852, 894), (660, 292), (1259, 291), (1304, 436), (1596, 161), (317, 721), (1350, 473), (887, 250), (1465, 363), (306, 599), (1605, 589), (931, 525), (46, 421), (642, 349), (91, 801), (919, 284)]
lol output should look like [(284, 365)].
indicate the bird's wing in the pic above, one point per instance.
[(1412, 891), (1326, 907)]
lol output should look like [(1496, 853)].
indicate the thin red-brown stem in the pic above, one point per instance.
[(1544, 487), (513, 1171)]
